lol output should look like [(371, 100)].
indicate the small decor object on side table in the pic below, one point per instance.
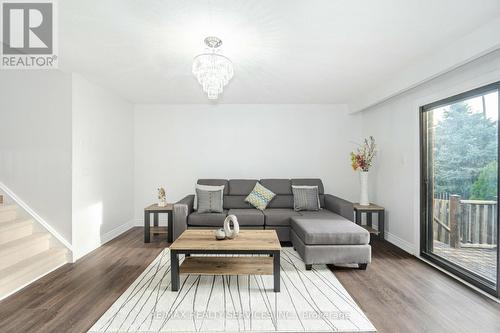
[(361, 160), (162, 197)]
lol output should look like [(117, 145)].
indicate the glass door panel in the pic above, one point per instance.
[(460, 185)]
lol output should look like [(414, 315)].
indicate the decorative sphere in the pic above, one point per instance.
[(220, 234)]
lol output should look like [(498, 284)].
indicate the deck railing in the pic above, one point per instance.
[(465, 223)]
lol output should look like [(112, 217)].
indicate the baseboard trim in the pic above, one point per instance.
[(110, 235), (105, 238), (35, 216), (30, 282), (401, 243)]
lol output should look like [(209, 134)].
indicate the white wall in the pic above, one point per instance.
[(102, 166), (395, 125), (177, 144), (42, 140), (35, 142)]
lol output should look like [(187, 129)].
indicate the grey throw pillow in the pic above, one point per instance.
[(209, 198), (305, 198)]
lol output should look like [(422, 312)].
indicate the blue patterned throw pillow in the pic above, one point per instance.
[(260, 197)]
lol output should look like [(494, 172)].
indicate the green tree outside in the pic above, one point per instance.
[(465, 143), (485, 187)]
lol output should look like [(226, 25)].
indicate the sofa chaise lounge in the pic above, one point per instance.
[(327, 236)]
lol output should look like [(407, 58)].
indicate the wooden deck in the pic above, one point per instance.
[(479, 260)]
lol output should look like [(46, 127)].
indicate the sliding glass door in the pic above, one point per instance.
[(459, 185)]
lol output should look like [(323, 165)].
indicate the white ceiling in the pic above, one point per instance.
[(325, 51)]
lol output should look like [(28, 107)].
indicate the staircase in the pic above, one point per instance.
[(26, 252)]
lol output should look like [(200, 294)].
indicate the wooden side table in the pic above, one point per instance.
[(369, 210), (156, 210)]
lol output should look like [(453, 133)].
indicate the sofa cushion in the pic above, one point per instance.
[(215, 182), (248, 216), (207, 219), (278, 186), (236, 201), (281, 201), (319, 214), (282, 231), (279, 216), (310, 182), (260, 197), (329, 231), (241, 186)]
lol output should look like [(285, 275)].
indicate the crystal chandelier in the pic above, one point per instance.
[(212, 69)]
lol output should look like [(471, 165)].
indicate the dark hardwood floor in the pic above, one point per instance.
[(398, 292), (73, 297)]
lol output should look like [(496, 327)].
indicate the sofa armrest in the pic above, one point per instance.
[(339, 206), (182, 209)]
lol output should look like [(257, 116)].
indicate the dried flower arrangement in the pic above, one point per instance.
[(362, 158)]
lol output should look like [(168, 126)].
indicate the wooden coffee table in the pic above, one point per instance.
[(247, 242)]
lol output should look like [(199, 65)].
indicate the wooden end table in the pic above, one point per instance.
[(247, 242), (156, 210), (369, 210)]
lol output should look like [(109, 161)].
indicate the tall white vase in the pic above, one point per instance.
[(363, 180)]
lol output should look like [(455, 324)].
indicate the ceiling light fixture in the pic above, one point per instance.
[(212, 69)]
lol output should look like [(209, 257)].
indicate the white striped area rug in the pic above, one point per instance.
[(309, 301)]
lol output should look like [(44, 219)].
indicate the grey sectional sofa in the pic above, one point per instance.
[(327, 236)]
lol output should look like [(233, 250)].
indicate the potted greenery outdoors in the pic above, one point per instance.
[(361, 160)]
